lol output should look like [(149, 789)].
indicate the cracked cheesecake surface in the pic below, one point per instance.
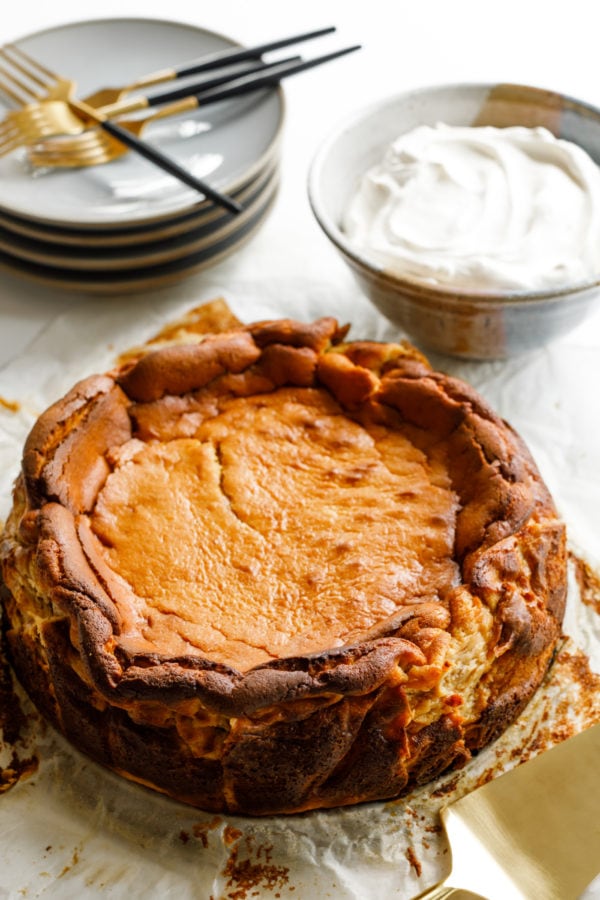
[(268, 570), (282, 527)]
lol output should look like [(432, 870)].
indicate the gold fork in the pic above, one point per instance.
[(93, 147), (90, 147), (35, 121), (40, 113), (217, 60), (68, 123), (36, 117)]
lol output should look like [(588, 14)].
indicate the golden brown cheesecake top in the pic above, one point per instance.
[(270, 513), (281, 526)]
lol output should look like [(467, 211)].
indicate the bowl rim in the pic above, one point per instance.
[(413, 285)]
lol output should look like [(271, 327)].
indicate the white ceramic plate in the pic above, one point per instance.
[(147, 277), (225, 143), (112, 259), (128, 236)]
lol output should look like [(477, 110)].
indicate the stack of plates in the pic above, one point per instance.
[(126, 225)]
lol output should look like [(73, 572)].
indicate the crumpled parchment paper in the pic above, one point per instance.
[(73, 829)]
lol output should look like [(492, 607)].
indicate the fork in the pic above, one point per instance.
[(62, 90), (111, 96), (40, 118), (94, 147), (106, 96), (38, 110), (36, 121)]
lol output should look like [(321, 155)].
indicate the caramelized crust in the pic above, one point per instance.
[(268, 571)]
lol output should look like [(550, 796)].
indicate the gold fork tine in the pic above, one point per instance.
[(96, 156), (81, 143), (31, 62), (34, 122), (9, 143), (54, 87), (9, 92), (95, 146), (16, 66), (8, 129), (19, 92), (10, 132)]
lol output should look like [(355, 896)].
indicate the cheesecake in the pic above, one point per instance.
[(271, 569)]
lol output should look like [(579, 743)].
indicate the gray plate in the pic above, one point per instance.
[(225, 143), (147, 277), (149, 253)]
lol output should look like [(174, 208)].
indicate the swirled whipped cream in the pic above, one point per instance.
[(481, 208)]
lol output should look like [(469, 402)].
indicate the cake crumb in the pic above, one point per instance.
[(10, 405), (446, 788), (201, 829), (414, 861), (245, 875), (72, 864), (588, 580), (231, 835)]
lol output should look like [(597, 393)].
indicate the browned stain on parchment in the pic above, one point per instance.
[(10, 405), (588, 580), (201, 830), (249, 867), (414, 860)]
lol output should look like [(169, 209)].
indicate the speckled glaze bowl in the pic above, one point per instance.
[(457, 322)]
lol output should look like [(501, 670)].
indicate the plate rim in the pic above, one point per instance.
[(115, 237), (191, 244), (145, 281)]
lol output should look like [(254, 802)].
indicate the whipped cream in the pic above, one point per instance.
[(481, 208)]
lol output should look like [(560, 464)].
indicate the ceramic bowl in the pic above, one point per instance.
[(458, 322)]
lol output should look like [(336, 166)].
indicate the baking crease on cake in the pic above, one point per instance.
[(272, 570)]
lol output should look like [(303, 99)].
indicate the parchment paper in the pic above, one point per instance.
[(73, 829)]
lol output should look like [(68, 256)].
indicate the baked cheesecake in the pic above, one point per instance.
[(271, 570)]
